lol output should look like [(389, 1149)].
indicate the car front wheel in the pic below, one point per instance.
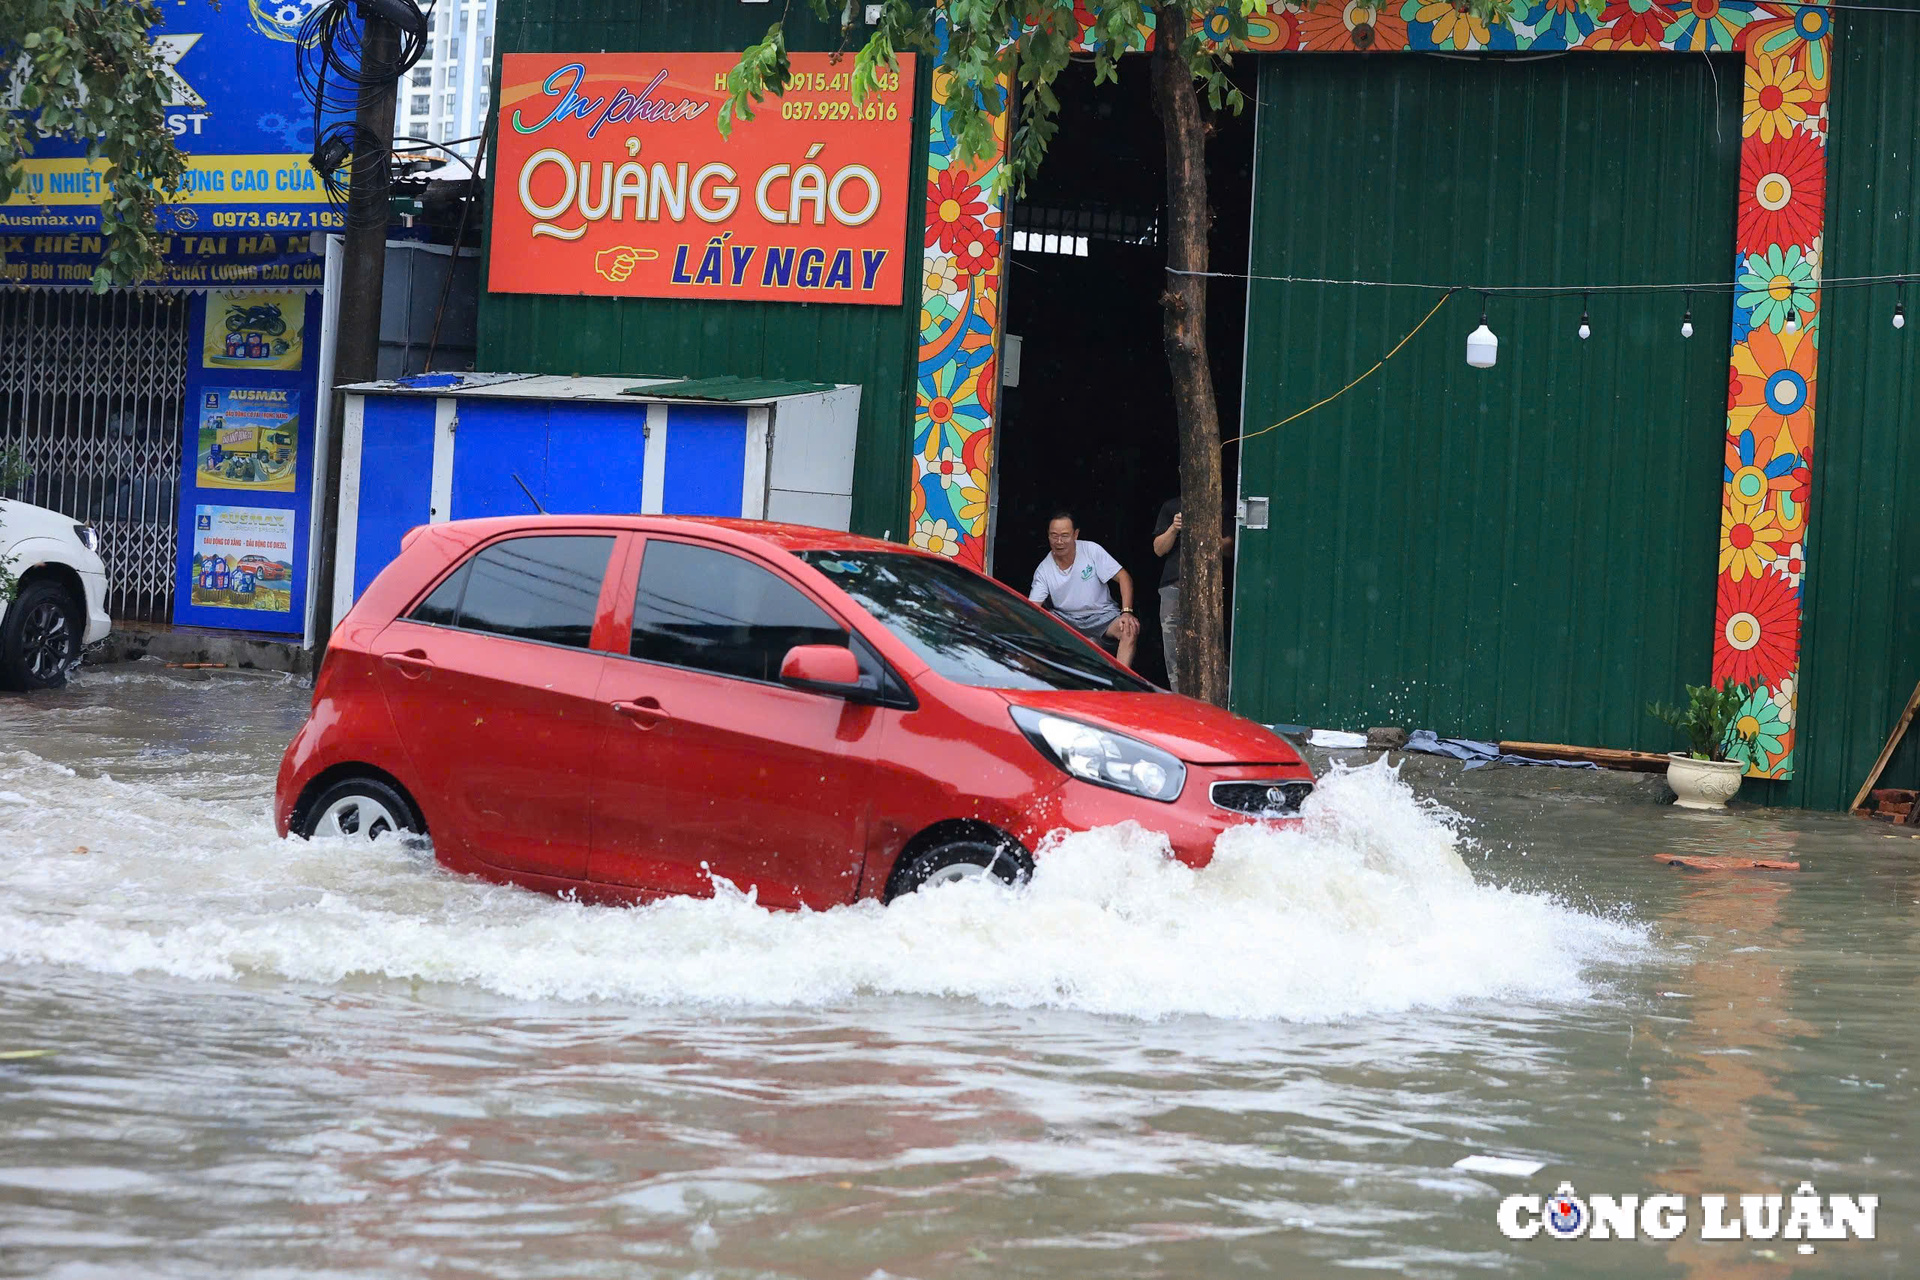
[(40, 638), (960, 860), (360, 809)]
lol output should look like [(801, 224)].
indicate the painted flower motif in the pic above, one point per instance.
[(975, 252), (943, 274), (1775, 285), (1559, 24), (1748, 541), (937, 314), (1747, 479), (1800, 37), (955, 206), (1454, 26), (973, 502), (1757, 733), (938, 537), (1356, 25), (1816, 125), (1776, 389), (1791, 564), (1633, 24), (1783, 192), (1709, 24), (947, 400), (1783, 698), (1756, 629), (1776, 100), (1277, 30), (1798, 483)]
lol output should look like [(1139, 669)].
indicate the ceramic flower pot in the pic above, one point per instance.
[(1703, 784)]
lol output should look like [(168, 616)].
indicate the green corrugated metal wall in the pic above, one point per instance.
[(1861, 637), (873, 346), (1526, 551)]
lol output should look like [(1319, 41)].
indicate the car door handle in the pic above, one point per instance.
[(412, 664), (644, 712)]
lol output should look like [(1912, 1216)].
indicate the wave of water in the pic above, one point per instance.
[(1364, 907)]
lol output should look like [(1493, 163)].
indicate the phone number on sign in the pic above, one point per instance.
[(884, 81), (839, 109), (292, 220)]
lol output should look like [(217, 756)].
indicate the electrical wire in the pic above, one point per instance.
[(1551, 290), (1248, 435), (335, 75)]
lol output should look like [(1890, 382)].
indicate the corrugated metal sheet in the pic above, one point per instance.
[(1526, 551), (873, 346), (1860, 650)]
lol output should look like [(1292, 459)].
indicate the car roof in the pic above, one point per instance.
[(783, 537)]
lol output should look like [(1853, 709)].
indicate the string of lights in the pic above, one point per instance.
[(1483, 343)]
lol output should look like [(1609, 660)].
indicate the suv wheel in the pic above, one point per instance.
[(360, 808), (960, 860), (40, 637)]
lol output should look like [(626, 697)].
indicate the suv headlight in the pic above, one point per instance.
[(1103, 757), (89, 537)]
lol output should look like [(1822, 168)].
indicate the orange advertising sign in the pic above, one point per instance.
[(612, 178)]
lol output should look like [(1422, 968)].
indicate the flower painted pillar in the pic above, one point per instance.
[(958, 391)]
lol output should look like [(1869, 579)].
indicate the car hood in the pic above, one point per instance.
[(1194, 731)]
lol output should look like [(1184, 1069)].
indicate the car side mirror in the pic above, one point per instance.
[(822, 668)]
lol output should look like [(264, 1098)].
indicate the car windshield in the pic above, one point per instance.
[(967, 628)]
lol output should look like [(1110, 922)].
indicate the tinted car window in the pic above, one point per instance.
[(544, 589), (967, 628), (714, 611), (442, 608)]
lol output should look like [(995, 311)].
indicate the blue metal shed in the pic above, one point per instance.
[(454, 446)]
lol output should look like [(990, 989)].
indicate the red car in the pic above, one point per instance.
[(626, 706)]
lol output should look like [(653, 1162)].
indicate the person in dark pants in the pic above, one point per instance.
[(1166, 545)]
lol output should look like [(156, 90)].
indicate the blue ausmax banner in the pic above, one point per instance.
[(250, 202)]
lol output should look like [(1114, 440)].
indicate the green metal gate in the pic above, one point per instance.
[(1526, 551)]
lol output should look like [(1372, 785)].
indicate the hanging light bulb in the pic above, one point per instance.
[(1483, 347), (1793, 322), (1900, 315), (1586, 329), (1686, 321)]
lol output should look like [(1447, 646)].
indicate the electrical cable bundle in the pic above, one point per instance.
[(335, 75)]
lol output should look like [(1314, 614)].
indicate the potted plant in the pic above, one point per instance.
[(1702, 777)]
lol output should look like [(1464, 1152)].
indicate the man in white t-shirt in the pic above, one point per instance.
[(1073, 583)]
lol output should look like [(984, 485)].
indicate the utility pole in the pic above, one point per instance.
[(362, 283)]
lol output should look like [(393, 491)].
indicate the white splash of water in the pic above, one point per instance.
[(1363, 907)]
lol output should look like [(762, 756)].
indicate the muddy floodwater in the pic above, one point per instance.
[(223, 1055)]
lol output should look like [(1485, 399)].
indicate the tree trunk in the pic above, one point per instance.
[(1202, 634)]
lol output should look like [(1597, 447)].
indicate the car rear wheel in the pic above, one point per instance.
[(960, 860), (360, 809), (40, 637)]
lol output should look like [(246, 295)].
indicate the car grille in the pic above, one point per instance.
[(1262, 799)]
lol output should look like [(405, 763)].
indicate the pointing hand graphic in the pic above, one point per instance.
[(618, 262)]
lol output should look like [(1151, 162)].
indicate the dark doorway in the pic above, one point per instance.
[(1090, 426)]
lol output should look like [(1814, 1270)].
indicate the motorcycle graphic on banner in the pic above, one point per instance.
[(254, 329)]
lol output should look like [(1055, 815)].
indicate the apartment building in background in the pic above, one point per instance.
[(444, 99)]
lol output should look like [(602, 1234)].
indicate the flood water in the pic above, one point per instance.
[(259, 1058)]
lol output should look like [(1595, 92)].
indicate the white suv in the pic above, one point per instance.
[(61, 604)]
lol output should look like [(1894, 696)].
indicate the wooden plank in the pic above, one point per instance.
[(1607, 757), (1886, 752)]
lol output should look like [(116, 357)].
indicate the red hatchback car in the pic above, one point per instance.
[(628, 706)]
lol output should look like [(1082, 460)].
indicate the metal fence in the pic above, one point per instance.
[(92, 392)]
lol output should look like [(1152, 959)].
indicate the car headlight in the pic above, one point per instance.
[(1103, 757), (88, 535)]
